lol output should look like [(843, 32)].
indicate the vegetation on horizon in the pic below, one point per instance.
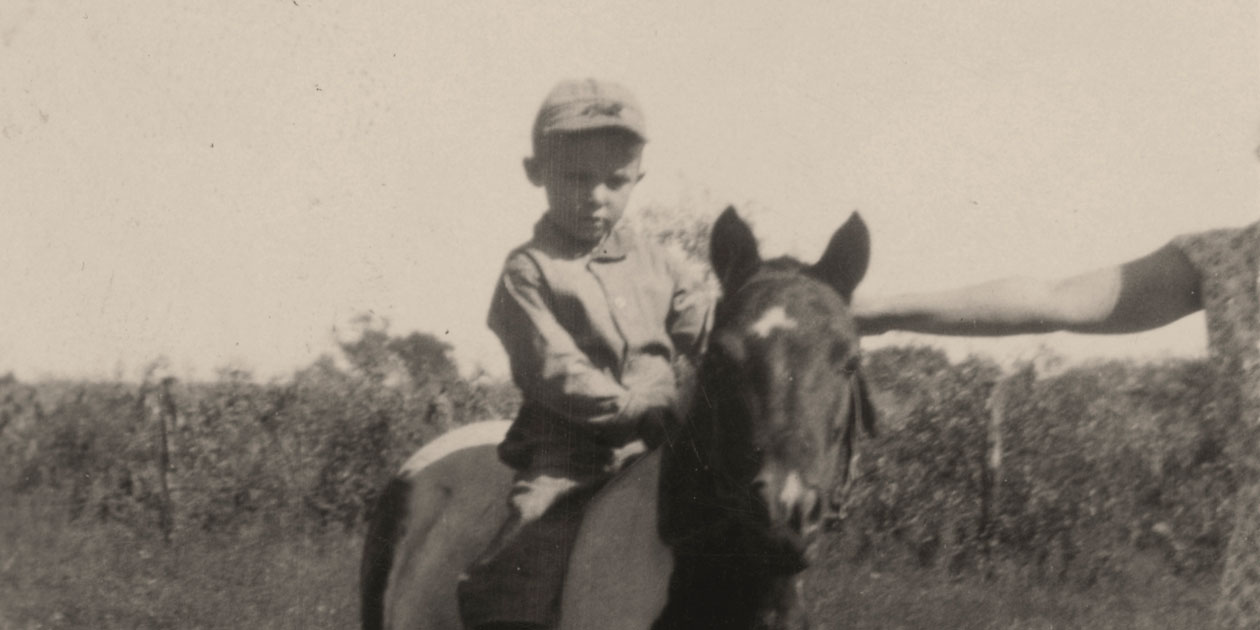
[(1096, 462)]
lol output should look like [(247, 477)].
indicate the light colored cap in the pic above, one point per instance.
[(581, 105)]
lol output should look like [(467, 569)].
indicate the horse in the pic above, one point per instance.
[(710, 529)]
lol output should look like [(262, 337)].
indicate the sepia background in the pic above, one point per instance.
[(225, 184)]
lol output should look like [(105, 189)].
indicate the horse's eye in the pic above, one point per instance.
[(841, 356), (839, 352), (848, 362)]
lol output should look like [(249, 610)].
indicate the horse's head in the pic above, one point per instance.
[(745, 480), (783, 373)]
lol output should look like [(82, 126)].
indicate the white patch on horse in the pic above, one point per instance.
[(793, 490), (772, 320), (467, 436)]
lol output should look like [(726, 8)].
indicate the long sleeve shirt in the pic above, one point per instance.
[(591, 333)]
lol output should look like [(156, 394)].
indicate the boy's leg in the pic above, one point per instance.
[(520, 577)]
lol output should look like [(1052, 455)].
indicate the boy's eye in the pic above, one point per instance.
[(615, 183)]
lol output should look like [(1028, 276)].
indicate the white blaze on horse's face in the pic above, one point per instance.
[(773, 319)]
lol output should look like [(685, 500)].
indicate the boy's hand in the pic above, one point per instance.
[(649, 408)]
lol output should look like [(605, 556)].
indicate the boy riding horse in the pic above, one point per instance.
[(591, 315)]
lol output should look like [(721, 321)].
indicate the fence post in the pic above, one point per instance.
[(991, 475), (161, 404)]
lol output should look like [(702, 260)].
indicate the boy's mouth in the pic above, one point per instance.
[(593, 228), (588, 220)]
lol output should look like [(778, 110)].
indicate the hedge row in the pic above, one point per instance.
[(1063, 470)]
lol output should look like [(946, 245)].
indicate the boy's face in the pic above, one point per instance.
[(589, 177)]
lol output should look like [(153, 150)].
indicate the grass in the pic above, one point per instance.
[(59, 574), (56, 574), (1145, 596)]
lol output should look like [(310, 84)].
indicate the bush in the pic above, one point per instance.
[(309, 452), (1064, 473)]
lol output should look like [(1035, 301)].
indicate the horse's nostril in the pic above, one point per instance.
[(761, 488), (806, 514), (796, 521), (815, 512)]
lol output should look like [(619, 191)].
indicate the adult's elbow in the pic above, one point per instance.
[(1088, 303)]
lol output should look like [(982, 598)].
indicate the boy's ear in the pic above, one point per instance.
[(533, 170)]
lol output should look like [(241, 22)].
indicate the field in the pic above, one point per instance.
[(59, 574)]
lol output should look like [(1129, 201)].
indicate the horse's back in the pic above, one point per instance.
[(619, 573), (450, 501)]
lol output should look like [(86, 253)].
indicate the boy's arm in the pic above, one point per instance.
[(548, 365), (1142, 294)]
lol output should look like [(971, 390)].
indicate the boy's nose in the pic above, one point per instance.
[(599, 194)]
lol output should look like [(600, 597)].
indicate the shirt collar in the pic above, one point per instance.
[(613, 247)]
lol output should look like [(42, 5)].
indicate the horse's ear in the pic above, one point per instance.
[(733, 250), (843, 264)]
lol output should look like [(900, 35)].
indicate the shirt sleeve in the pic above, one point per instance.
[(1215, 253), (691, 309), (1227, 261), (546, 362)]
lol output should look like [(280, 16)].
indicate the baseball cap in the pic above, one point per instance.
[(585, 104)]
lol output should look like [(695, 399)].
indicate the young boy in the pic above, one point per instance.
[(591, 316)]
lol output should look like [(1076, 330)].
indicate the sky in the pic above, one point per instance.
[(233, 183)]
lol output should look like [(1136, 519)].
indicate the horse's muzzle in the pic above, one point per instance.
[(794, 520), (793, 506)]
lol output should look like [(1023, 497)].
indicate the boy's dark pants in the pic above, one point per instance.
[(520, 576)]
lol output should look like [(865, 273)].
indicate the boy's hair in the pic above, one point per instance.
[(587, 105)]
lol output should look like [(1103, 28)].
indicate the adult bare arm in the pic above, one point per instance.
[(1142, 294)]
